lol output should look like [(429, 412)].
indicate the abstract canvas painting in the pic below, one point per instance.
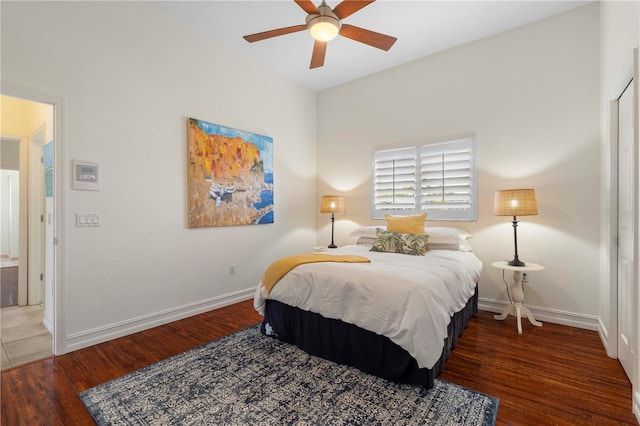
[(230, 176)]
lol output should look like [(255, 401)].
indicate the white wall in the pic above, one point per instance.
[(531, 97), (129, 76)]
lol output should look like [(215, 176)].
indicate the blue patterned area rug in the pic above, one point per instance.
[(247, 378)]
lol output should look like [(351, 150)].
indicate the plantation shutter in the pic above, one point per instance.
[(447, 180), (394, 181), (437, 178)]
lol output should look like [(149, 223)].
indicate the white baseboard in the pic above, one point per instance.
[(602, 330), (636, 405), (604, 338), (48, 325), (556, 316), (108, 332)]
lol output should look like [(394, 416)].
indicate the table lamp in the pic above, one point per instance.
[(515, 202), (332, 204)]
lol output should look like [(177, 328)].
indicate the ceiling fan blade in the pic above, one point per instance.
[(349, 7), (274, 33), (317, 57), (372, 38), (308, 7)]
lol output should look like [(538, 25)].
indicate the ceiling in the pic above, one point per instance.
[(422, 28)]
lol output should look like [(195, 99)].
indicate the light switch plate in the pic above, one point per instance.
[(87, 219)]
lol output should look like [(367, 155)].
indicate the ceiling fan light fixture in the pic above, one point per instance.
[(324, 27), (324, 24)]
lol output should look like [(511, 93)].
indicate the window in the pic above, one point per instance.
[(437, 178)]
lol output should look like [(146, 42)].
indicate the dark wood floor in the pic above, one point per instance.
[(552, 375)]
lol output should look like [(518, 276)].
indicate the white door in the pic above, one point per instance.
[(36, 218), (626, 216)]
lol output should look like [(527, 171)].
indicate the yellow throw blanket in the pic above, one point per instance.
[(280, 267)]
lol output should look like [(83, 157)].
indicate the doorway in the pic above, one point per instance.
[(27, 198), (10, 202)]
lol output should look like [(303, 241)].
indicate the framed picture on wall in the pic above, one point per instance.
[(230, 176)]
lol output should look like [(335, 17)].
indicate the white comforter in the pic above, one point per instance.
[(409, 299)]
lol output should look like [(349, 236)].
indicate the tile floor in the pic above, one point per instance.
[(23, 337)]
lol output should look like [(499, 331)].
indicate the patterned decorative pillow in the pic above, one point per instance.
[(413, 244), (394, 242), (385, 241)]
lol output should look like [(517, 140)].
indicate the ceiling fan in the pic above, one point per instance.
[(324, 24)]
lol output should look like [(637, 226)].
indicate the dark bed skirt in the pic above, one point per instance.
[(348, 344)]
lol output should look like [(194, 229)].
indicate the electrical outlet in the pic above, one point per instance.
[(232, 269)]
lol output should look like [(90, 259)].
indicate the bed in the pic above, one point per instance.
[(397, 317)]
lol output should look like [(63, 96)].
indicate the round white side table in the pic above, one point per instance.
[(516, 293)]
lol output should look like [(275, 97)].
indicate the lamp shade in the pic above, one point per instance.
[(515, 202), (332, 204)]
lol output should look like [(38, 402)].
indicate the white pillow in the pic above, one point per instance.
[(365, 241), (446, 233), (465, 246), (452, 245), (366, 231)]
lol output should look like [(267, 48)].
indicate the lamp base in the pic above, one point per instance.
[(516, 262), (332, 246)]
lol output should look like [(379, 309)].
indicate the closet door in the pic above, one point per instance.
[(626, 217)]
